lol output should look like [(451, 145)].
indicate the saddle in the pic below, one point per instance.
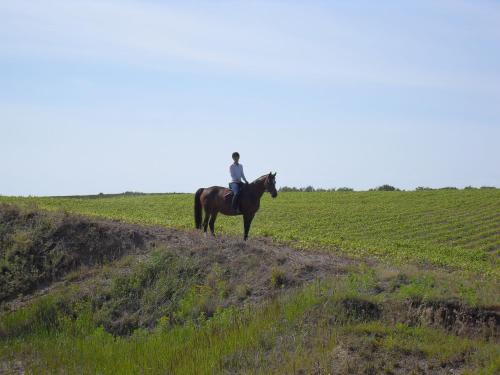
[(228, 195)]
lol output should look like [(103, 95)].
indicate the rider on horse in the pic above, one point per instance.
[(213, 200), (237, 175)]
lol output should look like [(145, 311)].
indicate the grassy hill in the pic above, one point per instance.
[(337, 282), (453, 228)]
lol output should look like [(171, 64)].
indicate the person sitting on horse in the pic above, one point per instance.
[(237, 175)]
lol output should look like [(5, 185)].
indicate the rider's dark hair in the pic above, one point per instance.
[(235, 154)]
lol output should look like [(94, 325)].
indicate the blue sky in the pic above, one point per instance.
[(154, 96)]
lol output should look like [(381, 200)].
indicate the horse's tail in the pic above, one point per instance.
[(197, 208)]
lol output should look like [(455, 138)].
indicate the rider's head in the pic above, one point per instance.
[(236, 156)]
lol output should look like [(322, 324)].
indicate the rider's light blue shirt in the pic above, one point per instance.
[(236, 171)]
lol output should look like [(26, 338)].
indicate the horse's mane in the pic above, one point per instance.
[(260, 178)]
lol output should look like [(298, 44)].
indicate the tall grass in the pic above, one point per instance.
[(299, 330), (198, 346)]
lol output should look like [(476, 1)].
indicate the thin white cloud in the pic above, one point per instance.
[(278, 41)]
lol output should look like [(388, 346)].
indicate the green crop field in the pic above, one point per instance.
[(453, 228)]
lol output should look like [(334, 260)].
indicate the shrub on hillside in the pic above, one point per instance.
[(345, 189), (152, 289), (308, 189), (386, 187)]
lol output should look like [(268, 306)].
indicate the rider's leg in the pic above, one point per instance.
[(236, 191)]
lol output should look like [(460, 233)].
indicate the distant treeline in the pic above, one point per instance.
[(312, 189), (379, 188)]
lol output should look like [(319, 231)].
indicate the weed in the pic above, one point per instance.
[(278, 278)]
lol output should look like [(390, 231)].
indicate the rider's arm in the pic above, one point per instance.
[(243, 175)]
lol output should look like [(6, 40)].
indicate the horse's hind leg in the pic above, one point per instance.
[(205, 221), (212, 222)]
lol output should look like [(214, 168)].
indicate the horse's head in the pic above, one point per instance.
[(270, 184)]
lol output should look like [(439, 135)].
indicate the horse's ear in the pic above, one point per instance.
[(274, 175)]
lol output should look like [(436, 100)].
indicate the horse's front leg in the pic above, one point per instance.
[(247, 221)]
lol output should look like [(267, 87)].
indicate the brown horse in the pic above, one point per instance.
[(217, 199)]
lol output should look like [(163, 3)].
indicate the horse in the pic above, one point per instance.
[(217, 199)]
